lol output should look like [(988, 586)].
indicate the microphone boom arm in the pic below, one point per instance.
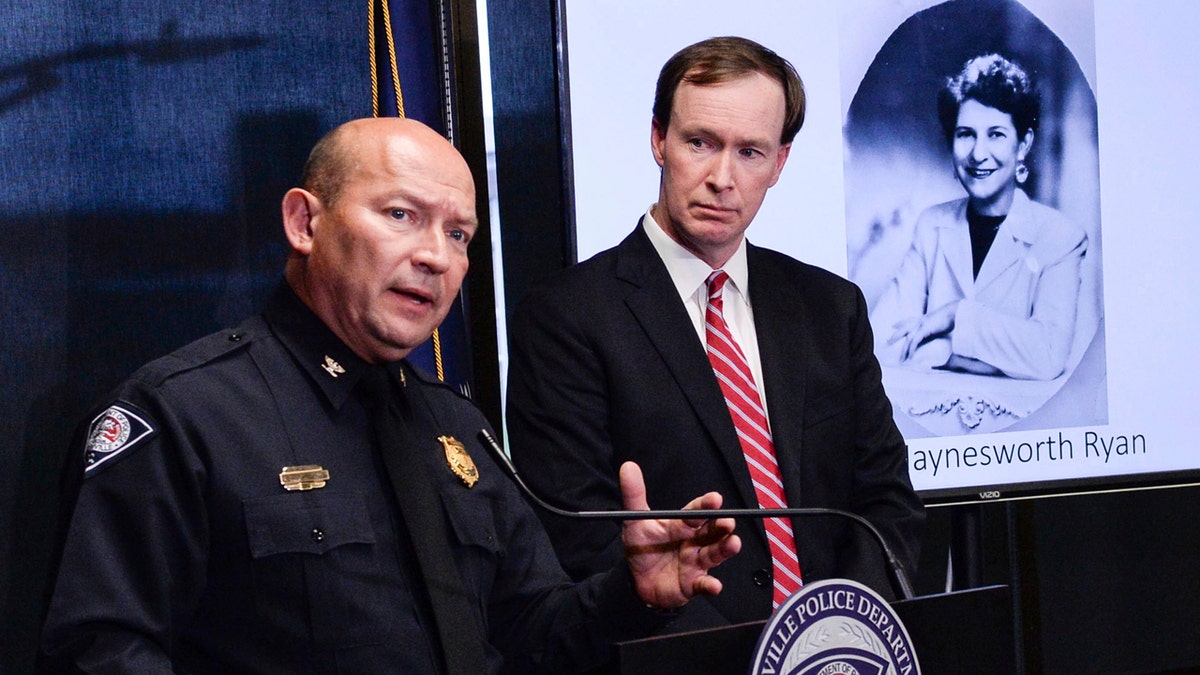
[(899, 579)]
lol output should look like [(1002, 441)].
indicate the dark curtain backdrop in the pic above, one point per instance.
[(144, 147)]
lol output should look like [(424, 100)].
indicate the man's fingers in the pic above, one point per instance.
[(706, 585), (712, 531), (711, 500), (633, 487), (718, 552)]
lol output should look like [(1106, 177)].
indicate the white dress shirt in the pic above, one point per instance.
[(690, 275)]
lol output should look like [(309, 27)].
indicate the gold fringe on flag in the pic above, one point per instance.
[(391, 47)]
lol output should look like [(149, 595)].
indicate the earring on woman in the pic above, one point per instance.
[(1022, 172)]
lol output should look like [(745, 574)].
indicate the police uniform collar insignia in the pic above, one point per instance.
[(114, 432), (332, 367), (459, 461), (303, 478)]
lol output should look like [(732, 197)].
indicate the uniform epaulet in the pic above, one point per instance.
[(124, 425), (202, 351), (426, 378)]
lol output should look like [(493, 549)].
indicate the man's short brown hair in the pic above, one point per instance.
[(722, 59)]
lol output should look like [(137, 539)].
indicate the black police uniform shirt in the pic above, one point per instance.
[(185, 551)]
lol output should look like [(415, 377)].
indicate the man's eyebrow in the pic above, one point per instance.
[(739, 140)]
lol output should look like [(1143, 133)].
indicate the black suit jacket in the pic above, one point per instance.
[(605, 366)]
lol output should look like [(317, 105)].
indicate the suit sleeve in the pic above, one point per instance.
[(558, 426), (881, 489)]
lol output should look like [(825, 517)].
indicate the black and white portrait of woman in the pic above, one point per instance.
[(991, 282), (973, 221)]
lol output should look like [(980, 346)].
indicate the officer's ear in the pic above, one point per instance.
[(300, 209)]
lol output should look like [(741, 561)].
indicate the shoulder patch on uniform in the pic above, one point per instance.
[(114, 432)]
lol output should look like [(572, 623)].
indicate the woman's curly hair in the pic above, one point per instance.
[(995, 82)]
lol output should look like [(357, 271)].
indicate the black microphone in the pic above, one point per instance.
[(899, 579)]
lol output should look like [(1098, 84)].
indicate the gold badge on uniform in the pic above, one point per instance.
[(459, 461), (306, 477)]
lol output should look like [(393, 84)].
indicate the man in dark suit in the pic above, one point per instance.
[(641, 353)]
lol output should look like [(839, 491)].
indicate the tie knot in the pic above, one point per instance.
[(716, 283)]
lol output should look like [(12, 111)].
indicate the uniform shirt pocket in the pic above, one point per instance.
[(317, 552), (314, 524), (474, 540)]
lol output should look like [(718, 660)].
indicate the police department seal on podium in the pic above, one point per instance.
[(834, 627)]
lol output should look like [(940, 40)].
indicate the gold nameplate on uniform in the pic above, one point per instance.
[(307, 477), (460, 462)]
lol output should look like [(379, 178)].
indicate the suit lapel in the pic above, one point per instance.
[(655, 305), (1005, 252), (955, 249), (782, 352), (1011, 245)]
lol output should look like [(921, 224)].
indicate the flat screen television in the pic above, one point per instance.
[(1114, 156)]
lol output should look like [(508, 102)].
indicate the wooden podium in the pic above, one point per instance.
[(967, 631)]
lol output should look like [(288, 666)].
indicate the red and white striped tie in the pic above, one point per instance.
[(750, 420)]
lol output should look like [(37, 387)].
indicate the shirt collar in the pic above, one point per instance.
[(689, 272), (319, 352)]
